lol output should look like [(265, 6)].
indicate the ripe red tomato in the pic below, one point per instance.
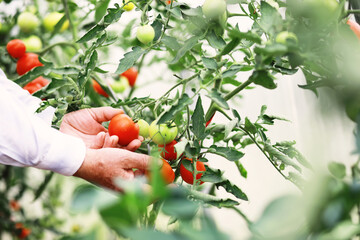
[(208, 122), (355, 27), (25, 232), (168, 152), (123, 126), (131, 75), (166, 173), (14, 205), (187, 176), (36, 84), (27, 62), (99, 89), (16, 48)]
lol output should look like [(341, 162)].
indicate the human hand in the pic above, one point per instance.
[(86, 124), (102, 166)]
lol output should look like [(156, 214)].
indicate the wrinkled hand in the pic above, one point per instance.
[(102, 166), (86, 124)]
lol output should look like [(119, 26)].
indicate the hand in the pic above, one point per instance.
[(102, 166), (86, 124)]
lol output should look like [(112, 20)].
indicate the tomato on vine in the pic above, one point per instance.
[(166, 172), (121, 85), (33, 43), (188, 176), (52, 19), (214, 8), (27, 62), (16, 48), (131, 75), (36, 84), (28, 22), (99, 89), (145, 34), (143, 128), (285, 36), (128, 6), (124, 127), (168, 151), (162, 134)]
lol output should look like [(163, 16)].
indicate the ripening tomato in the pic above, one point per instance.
[(27, 62), (99, 89), (52, 19), (25, 232), (169, 152), (355, 27), (145, 34), (187, 175), (36, 84), (124, 127), (162, 134), (128, 6), (144, 128), (28, 22), (131, 75), (166, 172), (121, 85), (16, 48)]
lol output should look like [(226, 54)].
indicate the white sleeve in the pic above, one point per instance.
[(27, 139)]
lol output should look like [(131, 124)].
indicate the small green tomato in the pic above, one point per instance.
[(145, 34), (214, 8), (27, 22), (162, 134), (33, 43), (285, 36), (144, 128), (121, 85), (52, 19)]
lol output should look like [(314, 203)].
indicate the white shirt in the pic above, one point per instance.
[(27, 138)]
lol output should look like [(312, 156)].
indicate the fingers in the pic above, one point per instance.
[(136, 160), (111, 141), (104, 114), (99, 141), (133, 145)]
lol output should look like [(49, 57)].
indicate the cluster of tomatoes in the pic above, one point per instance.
[(26, 62), (164, 136)]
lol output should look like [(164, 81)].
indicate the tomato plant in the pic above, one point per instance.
[(168, 151), (188, 175), (143, 128), (16, 48), (145, 34), (52, 19), (131, 75), (33, 43), (166, 173), (123, 126), (27, 62), (99, 89), (121, 85), (36, 84), (28, 22), (128, 5), (162, 134)]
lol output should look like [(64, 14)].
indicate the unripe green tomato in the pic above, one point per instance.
[(128, 6), (162, 134), (52, 19), (31, 9), (285, 36), (33, 43), (27, 22), (121, 85), (144, 128), (214, 8), (145, 34)]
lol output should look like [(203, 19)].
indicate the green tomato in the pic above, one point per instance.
[(27, 22), (145, 34), (121, 85), (214, 8), (144, 128), (128, 6), (285, 36), (52, 19), (162, 134), (33, 43)]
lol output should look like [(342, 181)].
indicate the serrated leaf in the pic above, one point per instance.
[(66, 70), (249, 126), (263, 78), (171, 43), (233, 70), (270, 19), (212, 175), (158, 26), (218, 99), (198, 121), (129, 59), (229, 153), (214, 40), (230, 46), (188, 45), (100, 11), (209, 63), (177, 107), (281, 156), (229, 127), (180, 147), (233, 189)]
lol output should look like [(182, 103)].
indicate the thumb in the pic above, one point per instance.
[(136, 160), (104, 114)]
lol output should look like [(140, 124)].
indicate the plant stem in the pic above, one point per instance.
[(242, 214), (236, 15), (43, 51), (68, 16)]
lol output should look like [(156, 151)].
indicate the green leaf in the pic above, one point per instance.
[(188, 45), (249, 126), (129, 59), (177, 107), (338, 170), (93, 235), (229, 153), (180, 147), (280, 156), (214, 40), (218, 99), (43, 185), (92, 33), (58, 25), (263, 78), (100, 11), (171, 42), (34, 73), (212, 175), (230, 46), (233, 189), (250, 35), (234, 69), (198, 121), (209, 63), (229, 127), (66, 70), (270, 20), (157, 25)]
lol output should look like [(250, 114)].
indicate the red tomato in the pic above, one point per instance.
[(25, 232), (27, 62), (355, 27), (166, 172), (131, 75), (187, 176), (16, 48), (208, 122), (99, 89), (168, 152), (36, 84), (124, 127), (15, 205)]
